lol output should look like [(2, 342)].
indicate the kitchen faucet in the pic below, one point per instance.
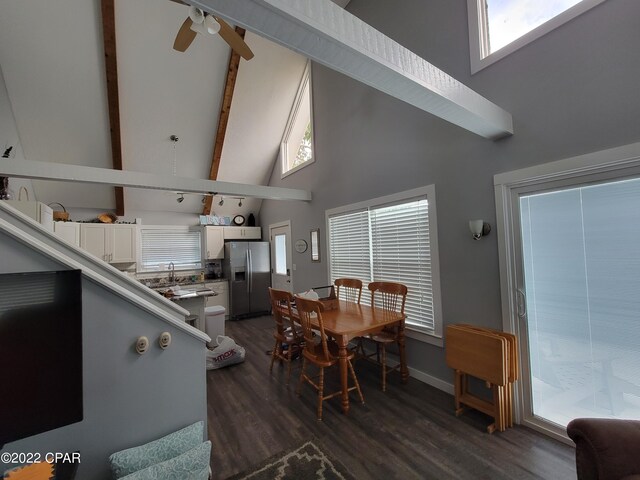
[(172, 272)]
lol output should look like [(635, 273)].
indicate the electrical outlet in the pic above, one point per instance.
[(142, 345), (164, 340)]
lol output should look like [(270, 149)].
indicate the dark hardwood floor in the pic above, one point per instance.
[(408, 432)]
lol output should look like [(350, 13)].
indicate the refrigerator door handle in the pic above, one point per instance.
[(250, 271)]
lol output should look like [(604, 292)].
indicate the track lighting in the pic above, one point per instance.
[(221, 202), (181, 198)]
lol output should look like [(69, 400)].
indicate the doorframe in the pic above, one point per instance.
[(613, 163), (284, 223)]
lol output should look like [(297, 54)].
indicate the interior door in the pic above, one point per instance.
[(578, 301), (280, 236)]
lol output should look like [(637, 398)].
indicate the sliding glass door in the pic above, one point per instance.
[(581, 266), (569, 241)]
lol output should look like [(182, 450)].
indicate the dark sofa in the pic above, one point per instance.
[(606, 449)]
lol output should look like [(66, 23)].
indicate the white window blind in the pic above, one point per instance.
[(349, 246), (163, 246), (401, 253), (388, 242)]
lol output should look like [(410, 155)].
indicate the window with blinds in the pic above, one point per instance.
[(390, 241), (161, 246), (349, 246)]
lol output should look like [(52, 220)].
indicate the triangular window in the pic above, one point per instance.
[(296, 150)]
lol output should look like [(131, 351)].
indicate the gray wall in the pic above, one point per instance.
[(571, 92), (128, 399)]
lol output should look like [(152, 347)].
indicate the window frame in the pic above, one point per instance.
[(140, 266), (435, 337), (479, 31), (305, 83)]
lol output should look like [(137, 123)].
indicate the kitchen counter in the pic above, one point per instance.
[(191, 298), (184, 293), (162, 284)]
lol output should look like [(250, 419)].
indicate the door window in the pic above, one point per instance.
[(280, 247)]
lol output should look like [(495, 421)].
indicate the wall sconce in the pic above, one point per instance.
[(180, 198), (239, 202), (221, 202), (479, 228)]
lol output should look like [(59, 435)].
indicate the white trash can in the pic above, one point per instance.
[(214, 323)]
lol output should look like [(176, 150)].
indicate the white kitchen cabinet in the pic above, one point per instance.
[(213, 245), (69, 231), (242, 233), (222, 299), (111, 243)]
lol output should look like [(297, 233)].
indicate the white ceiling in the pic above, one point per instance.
[(53, 67)]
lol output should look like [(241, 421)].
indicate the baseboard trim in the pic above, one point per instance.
[(392, 361), (431, 380)]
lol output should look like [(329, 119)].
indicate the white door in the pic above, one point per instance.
[(280, 238), (575, 302)]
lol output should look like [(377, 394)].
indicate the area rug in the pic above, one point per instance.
[(304, 463)]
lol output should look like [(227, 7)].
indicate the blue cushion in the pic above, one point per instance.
[(136, 458), (193, 465)]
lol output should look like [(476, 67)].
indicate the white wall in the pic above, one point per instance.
[(570, 92), (9, 138)]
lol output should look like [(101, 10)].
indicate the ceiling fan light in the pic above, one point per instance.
[(211, 25), (199, 28), (196, 15)]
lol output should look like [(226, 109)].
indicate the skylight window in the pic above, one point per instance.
[(499, 27)]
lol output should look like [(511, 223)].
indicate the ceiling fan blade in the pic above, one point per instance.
[(234, 40), (184, 37)]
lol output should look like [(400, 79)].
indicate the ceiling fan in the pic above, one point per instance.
[(202, 22)]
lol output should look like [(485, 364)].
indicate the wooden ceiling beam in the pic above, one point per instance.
[(223, 119), (111, 68)]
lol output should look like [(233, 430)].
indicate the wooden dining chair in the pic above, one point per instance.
[(392, 297), (349, 289), (319, 351), (287, 333)]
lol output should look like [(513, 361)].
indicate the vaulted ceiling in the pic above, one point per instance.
[(52, 60), (55, 80)]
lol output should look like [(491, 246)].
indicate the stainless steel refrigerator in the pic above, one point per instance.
[(247, 266)]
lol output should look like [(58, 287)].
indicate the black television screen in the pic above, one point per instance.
[(40, 352)]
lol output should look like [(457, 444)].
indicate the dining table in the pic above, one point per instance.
[(347, 320)]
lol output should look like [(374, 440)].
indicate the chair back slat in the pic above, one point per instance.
[(281, 305), (349, 289), (308, 310), (388, 296)]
